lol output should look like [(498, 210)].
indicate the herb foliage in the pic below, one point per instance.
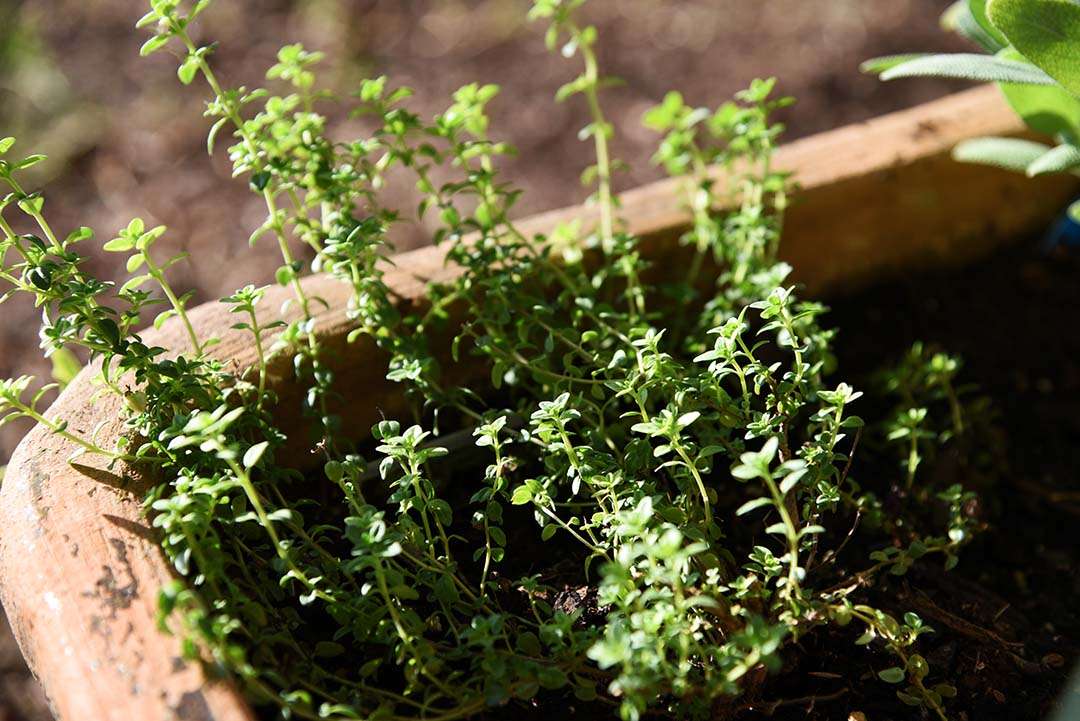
[(678, 439)]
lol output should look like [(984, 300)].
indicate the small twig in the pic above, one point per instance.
[(961, 625), (769, 707)]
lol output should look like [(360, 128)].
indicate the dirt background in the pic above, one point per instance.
[(125, 139)]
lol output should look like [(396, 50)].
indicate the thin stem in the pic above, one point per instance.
[(600, 142), (253, 497), (697, 479), (276, 225), (792, 589), (37, 216), (159, 275), (260, 354), (60, 430)]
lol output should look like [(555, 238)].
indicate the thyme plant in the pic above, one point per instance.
[(678, 439)]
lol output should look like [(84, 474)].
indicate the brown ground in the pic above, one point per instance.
[(1007, 619), (125, 139)]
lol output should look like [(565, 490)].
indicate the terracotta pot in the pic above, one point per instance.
[(79, 563)]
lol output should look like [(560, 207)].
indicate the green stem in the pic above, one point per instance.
[(260, 354), (38, 217), (253, 497), (600, 141), (791, 533), (706, 505), (159, 276)]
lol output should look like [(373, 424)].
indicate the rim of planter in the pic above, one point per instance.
[(80, 567)]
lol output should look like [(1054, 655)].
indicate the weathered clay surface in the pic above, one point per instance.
[(79, 564)]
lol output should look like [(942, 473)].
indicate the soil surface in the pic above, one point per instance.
[(21, 698), (1007, 619)]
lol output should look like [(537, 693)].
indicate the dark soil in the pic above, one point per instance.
[(1007, 619), (21, 698)]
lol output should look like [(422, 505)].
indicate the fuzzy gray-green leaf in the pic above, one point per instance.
[(969, 66), (1061, 159), (1008, 153)]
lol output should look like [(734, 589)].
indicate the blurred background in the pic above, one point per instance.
[(125, 139)]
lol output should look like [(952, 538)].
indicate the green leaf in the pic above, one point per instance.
[(119, 245), (32, 205), (752, 505), (40, 277), (958, 18), (148, 19), (908, 699), (65, 366), (944, 689), (150, 237), (134, 283), (284, 275), (260, 180), (187, 70), (5, 144), (135, 262), (687, 418), (29, 161), (892, 675), (212, 136), (977, 8), (328, 649), (876, 66), (529, 644), (551, 677), (80, 234), (286, 515), (442, 511), (251, 458), (789, 482), (162, 317), (522, 495), (918, 666), (153, 45), (1047, 32), (1051, 110), (1008, 153), (969, 66), (1074, 212), (1061, 159)]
